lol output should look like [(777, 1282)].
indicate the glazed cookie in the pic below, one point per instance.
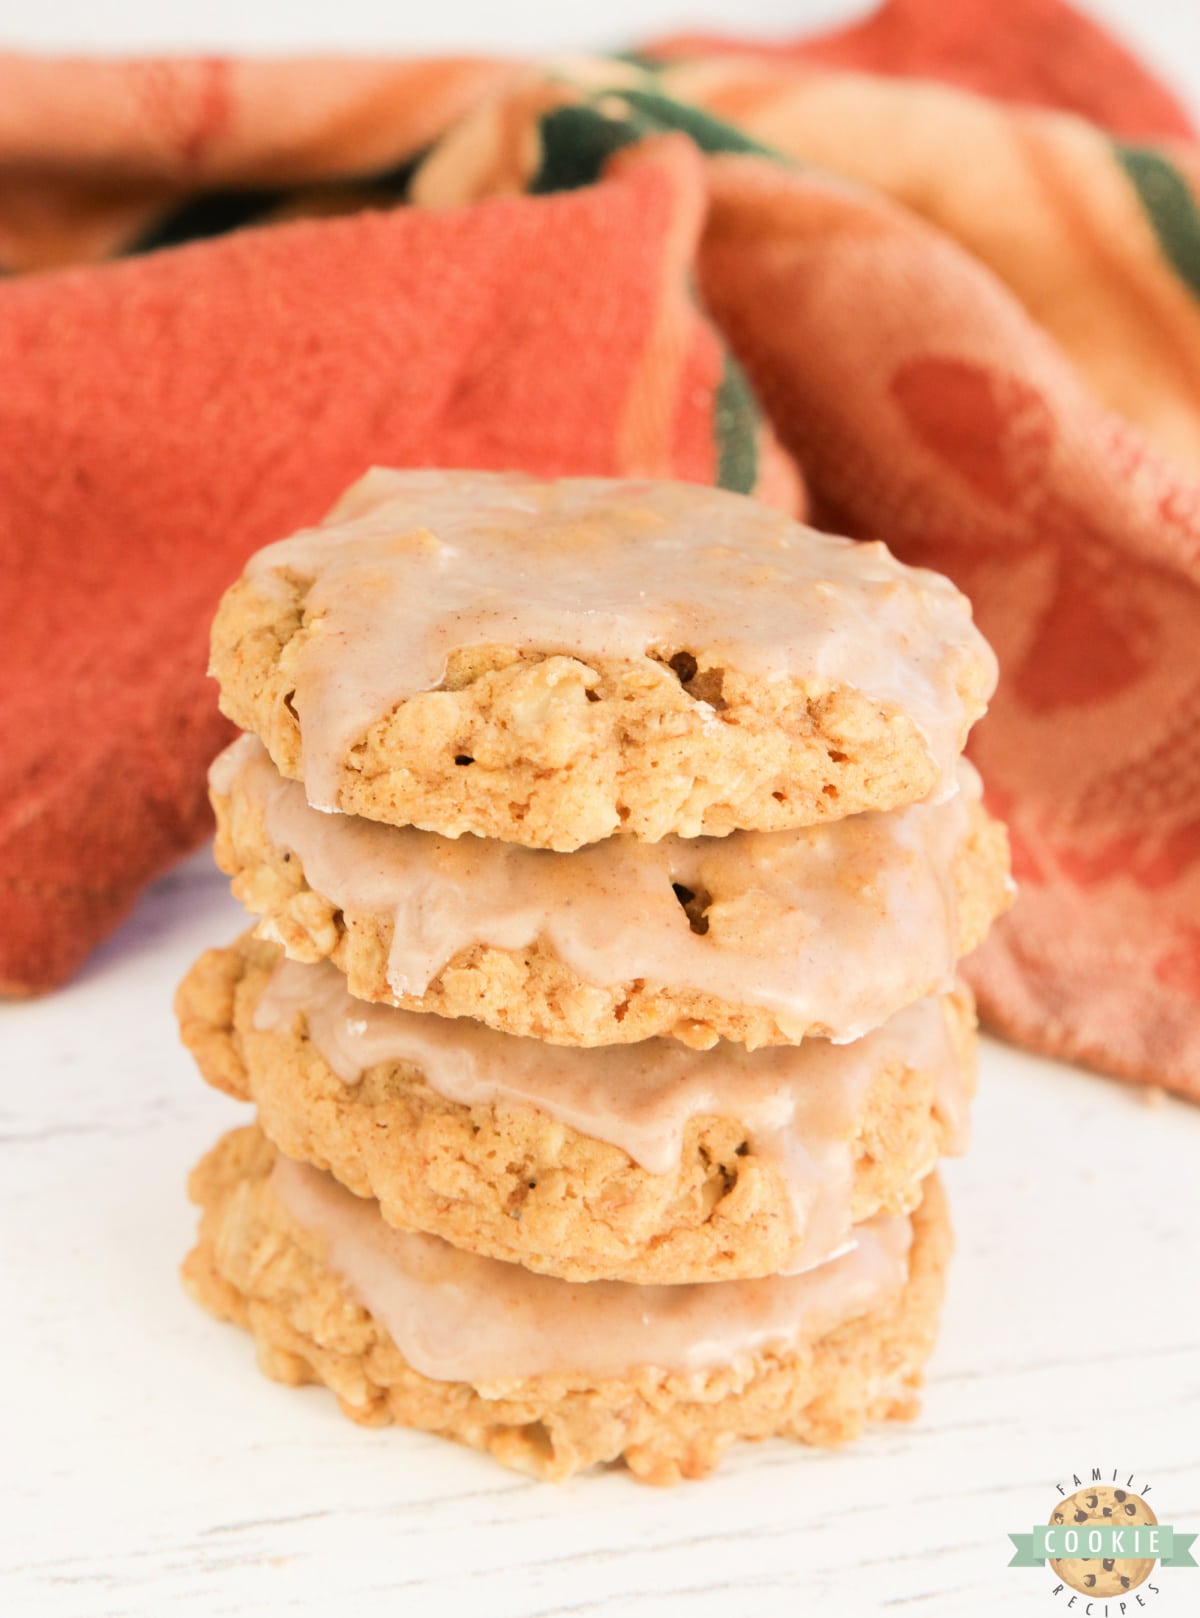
[(650, 1163), (547, 1376), (551, 662), (759, 937), (1105, 1576)]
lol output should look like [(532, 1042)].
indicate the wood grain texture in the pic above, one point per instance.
[(148, 1468)]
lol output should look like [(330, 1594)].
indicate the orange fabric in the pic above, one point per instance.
[(1016, 51), (969, 317), (169, 415)]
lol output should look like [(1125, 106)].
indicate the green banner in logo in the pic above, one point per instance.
[(1092, 1540)]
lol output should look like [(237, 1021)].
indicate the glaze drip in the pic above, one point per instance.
[(833, 928), (801, 1106), (459, 1317), (412, 566)]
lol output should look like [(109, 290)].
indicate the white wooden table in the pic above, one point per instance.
[(146, 1468)]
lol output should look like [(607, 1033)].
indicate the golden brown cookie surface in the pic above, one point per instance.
[(255, 1265), (550, 663), (756, 938), (742, 1191)]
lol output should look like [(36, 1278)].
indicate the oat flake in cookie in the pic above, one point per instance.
[(550, 662)]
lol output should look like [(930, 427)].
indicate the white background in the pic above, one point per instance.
[(1167, 32), (145, 1467)]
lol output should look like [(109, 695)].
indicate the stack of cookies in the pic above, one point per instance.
[(612, 856)]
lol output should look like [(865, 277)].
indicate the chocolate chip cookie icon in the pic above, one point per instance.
[(1104, 1506)]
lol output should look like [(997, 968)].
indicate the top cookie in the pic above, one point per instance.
[(548, 663)]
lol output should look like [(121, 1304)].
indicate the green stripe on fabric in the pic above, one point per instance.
[(648, 64), (578, 140), (1170, 207), (576, 144), (208, 214), (736, 426), (662, 113)]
